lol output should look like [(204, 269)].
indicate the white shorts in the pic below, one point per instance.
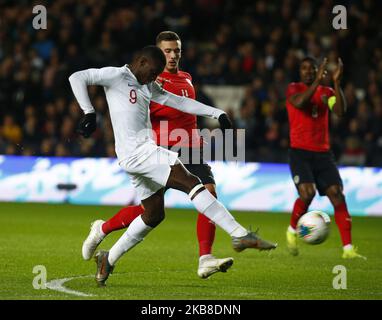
[(149, 168)]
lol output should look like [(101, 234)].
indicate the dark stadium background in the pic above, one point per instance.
[(252, 45)]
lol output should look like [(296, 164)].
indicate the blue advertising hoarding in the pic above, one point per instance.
[(240, 186)]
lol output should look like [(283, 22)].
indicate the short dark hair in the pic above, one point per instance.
[(309, 59), (153, 53), (167, 36)]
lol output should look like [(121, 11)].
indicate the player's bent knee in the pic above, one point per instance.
[(181, 179), (152, 219), (307, 195), (211, 188), (157, 220), (190, 182), (335, 194)]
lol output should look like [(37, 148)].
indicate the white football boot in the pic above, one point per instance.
[(208, 265), (94, 238)]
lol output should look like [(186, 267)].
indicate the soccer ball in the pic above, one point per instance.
[(313, 227)]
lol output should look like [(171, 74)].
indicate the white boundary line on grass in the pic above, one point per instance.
[(58, 285)]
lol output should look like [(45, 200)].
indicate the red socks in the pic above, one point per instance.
[(299, 209), (341, 216), (205, 229), (343, 221), (122, 219)]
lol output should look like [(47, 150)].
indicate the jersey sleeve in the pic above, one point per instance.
[(79, 81), (164, 97), (187, 75)]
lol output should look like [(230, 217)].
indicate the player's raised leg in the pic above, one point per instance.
[(205, 228), (208, 264), (306, 193), (343, 221), (206, 203)]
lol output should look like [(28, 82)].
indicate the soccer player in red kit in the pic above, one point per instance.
[(180, 83), (311, 161)]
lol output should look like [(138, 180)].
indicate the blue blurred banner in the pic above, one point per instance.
[(240, 186)]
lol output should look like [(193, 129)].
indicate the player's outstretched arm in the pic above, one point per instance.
[(339, 107), (81, 79), (188, 105), (79, 82), (301, 100)]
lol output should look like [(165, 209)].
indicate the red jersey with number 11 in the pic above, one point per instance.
[(309, 126), (179, 83)]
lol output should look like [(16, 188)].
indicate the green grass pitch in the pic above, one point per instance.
[(164, 265)]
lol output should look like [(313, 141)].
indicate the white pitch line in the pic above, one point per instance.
[(58, 285)]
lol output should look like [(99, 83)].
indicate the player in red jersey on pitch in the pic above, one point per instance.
[(164, 121), (311, 162)]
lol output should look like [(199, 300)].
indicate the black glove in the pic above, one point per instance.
[(87, 125), (225, 122)]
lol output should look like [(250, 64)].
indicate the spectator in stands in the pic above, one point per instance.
[(224, 44)]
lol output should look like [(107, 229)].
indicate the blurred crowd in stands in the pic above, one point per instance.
[(255, 44)]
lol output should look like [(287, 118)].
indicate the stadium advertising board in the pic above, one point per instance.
[(241, 186)]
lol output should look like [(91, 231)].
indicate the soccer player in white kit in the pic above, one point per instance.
[(129, 90)]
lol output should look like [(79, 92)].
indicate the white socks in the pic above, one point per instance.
[(207, 204), (134, 234), (204, 202)]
